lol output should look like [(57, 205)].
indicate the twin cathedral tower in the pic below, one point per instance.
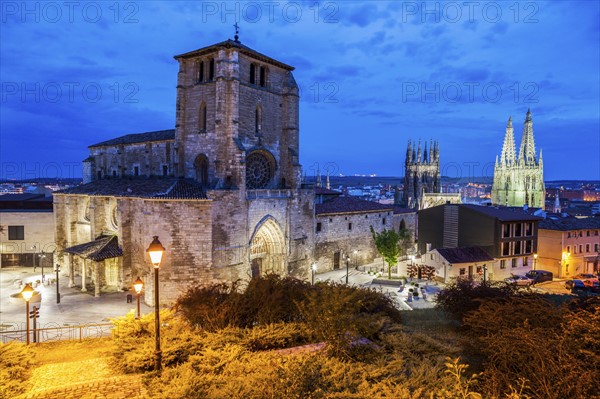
[(518, 179)]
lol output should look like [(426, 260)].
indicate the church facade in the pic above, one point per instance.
[(222, 191), (519, 180)]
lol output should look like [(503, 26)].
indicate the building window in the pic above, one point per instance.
[(165, 170), (513, 262), (580, 248), (479, 269), (528, 229), (136, 170), (568, 249), (349, 226), (211, 69), (574, 249), (383, 221), (569, 234), (506, 230), (202, 125), (587, 233), (16, 232), (525, 261), (319, 227), (99, 174), (587, 247), (503, 264), (330, 220), (505, 248), (258, 120), (595, 247), (528, 247), (580, 233), (518, 248), (518, 230), (462, 271), (596, 232), (252, 73)]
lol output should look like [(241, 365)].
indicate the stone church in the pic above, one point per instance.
[(222, 191), (519, 181)]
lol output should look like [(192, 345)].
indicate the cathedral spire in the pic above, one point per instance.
[(527, 149), (409, 152), (419, 154), (319, 183), (327, 184), (508, 148)]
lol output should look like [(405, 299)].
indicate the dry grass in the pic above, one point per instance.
[(68, 351)]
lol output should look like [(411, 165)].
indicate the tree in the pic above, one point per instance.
[(388, 245), (405, 238)]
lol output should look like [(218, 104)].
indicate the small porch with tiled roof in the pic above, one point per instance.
[(102, 255)]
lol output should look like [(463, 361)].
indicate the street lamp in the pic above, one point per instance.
[(34, 256), (42, 257), (27, 293), (355, 259), (57, 269), (535, 256), (347, 267), (484, 274), (138, 285), (313, 270), (156, 250)]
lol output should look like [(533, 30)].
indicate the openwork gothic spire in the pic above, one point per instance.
[(508, 148), (527, 149)]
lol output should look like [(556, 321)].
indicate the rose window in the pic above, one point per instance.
[(259, 171)]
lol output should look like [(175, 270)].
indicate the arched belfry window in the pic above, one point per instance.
[(201, 169), (200, 71), (211, 69), (258, 119), (263, 76), (202, 118), (252, 73)]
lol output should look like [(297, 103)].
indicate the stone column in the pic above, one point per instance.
[(71, 271), (83, 275), (97, 279)]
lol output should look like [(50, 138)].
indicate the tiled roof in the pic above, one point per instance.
[(399, 210), (159, 188), (502, 213), (570, 223), (232, 43), (159, 135), (103, 247), (464, 255), (349, 205)]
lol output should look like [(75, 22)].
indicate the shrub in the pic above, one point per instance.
[(16, 361), (277, 336), (464, 295)]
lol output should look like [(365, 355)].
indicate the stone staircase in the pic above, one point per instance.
[(129, 387)]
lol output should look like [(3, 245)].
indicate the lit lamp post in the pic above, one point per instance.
[(355, 259), (57, 269), (313, 270), (347, 267), (138, 285), (156, 250), (535, 256), (27, 293), (42, 258)]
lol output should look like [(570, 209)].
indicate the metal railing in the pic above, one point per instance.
[(74, 332)]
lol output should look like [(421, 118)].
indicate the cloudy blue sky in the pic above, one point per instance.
[(372, 74)]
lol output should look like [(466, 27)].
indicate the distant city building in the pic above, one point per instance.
[(569, 246), (519, 180)]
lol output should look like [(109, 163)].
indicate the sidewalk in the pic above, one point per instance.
[(75, 307)]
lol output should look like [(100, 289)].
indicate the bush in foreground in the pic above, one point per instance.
[(16, 361)]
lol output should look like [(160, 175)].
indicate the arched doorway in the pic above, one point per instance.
[(201, 169), (267, 249)]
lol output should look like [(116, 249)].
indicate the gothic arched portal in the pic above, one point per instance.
[(201, 169), (267, 249)]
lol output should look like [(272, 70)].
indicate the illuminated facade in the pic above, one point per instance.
[(519, 181)]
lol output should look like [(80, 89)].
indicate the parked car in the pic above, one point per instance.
[(574, 284), (539, 276), (586, 276), (592, 284), (519, 280)]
